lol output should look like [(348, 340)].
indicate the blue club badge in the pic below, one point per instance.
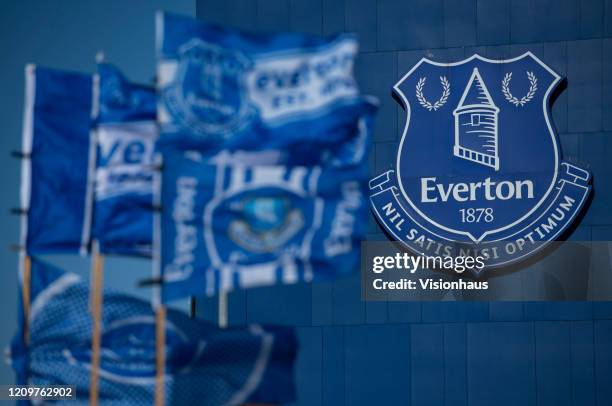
[(208, 97), (265, 223), (479, 169)]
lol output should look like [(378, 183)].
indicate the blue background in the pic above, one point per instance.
[(356, 353)]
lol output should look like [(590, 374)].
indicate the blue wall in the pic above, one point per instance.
[(64, 34), (448, 353)]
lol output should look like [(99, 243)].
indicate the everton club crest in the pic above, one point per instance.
[(267, 224), (207, 96), (479, 169)]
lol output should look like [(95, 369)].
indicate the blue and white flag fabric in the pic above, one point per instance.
[(205, 365), (232, 226), (57, 147), (352, 152), (222, 89), (126, 132)]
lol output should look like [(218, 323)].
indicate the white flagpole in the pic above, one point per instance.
[(25, 261), (97, 276)]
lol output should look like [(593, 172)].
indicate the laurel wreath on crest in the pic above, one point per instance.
[(533, 87), (440, 102)]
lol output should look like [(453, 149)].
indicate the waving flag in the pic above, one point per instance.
[(55, 172), (352, 152), (126, 133), (228, 223), (204, 365), (232, 226), (225, 89)]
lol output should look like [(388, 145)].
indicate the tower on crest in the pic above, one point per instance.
[(476, 126)]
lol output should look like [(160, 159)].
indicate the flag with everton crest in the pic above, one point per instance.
[(226, 223), (126, 132), (224, 227), (223, 89), (204, 364), (56, 168)]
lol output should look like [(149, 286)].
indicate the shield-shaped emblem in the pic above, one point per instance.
[(254, 211), (264, 223), (208, 96), (265, 213), (479, 160)]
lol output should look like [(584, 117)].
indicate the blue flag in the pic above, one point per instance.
[(230, 223), (204, 365), (55, 187), (126, 133), (224, 89), (233, 226)]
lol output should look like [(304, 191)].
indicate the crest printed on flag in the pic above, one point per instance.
[(225, 89), (232, 226), (479, 168), (125, 133), (289, 104), (56, 169), (204, 364)]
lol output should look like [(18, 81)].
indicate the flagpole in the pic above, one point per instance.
[(25, 295), (223, 308), (160, 354), (96, 310)]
